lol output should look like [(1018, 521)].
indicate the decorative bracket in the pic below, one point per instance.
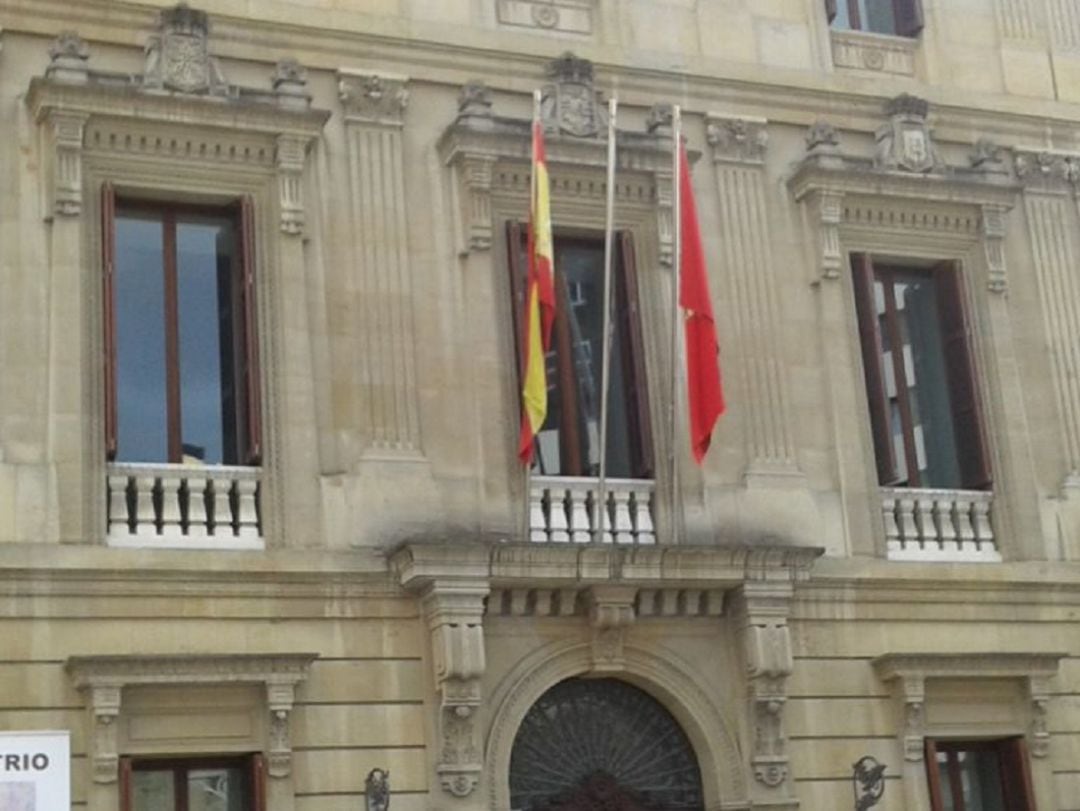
[(611, 613), (291, 152), (992, 224), (763, 609), (65, 130), (454, 611)]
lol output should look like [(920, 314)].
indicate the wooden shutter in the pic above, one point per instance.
[(251, 378), (108, 298), (258, 782), (933, 775), (909, 17), (830, 10), (1016, 776), (124, 787), (637, 390), (516, 266), (870, 338), (971, 448)]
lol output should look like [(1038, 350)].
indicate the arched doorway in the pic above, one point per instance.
[(602, 745)]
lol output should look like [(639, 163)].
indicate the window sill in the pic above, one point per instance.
[(561, 510), (874, 53), (184, 506), (938, 525)]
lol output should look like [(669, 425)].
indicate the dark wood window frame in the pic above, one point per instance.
[(628, 310), (1013, 768), (908, 13), (249, 411), (253, 765), (973, 456)]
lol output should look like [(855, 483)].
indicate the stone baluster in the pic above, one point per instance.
[(537, 519), (946, 530), (580, 523), (119, 520), (145, 519), (643, 523), (557, 519), (247, 514), (624, 526), (196, 506), (170, 505)]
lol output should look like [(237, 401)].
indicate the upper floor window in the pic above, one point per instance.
[(568, 444), (903, 18), (920, 377), (978, 775), (182, 381), (192, 784)]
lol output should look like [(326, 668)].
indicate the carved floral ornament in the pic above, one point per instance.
[(103, 679)]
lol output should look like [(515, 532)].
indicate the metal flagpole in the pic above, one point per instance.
[(532, 224), (600, 507), (676, 314)]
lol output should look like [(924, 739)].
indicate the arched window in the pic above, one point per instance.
[(602, 745)]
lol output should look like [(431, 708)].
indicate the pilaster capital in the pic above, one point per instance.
[(373, 98), (737, 139)]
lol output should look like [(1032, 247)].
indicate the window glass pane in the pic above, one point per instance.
[(216, 790), (878, 16), (842, 20), (139, 310), (928, 386), (981, 780), (153, 791), (569, 443), (206, 347)]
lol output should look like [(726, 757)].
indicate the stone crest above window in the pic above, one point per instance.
[(556, 16)]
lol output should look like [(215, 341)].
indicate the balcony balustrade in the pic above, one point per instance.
[(938, 525), (562, 510), (187, 506)]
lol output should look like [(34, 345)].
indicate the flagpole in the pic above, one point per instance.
[(676, 314), (527, 523), (600, 507)]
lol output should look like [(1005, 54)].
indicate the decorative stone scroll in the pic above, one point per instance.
[(762, 609), (103, 678), (454, 611), (909, 673), (611, 613)]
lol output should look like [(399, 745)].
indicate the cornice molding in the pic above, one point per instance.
[(505, 565), (967, 665), (105, 677)]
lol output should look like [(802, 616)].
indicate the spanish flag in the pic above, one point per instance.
[(539, 302)]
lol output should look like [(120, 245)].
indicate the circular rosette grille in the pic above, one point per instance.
[(584, 733)]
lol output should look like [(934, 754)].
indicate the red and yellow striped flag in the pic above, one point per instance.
[(539, 302)]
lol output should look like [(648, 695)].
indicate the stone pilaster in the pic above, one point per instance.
[(738, 150), (374, 107), (1051, 185)]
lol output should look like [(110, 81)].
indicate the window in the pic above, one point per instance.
[(569, 442), (182, 379), (920, 378), (192, 784), (902, 18), (980, 775)]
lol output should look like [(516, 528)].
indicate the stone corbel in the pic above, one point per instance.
[(737, 139), (105, 709), (64, 135), (291, 154), (993, 232), (1039, 695), (279, 700), (763, 610), (659, 123), (474, 173), (611, 613), (913, 693), (454, 612)]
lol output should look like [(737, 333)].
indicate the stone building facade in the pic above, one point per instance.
[(350, 571)]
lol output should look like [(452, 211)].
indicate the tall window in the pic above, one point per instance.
[(902, 18), (920, 378), (569, 442), (981, 775), (181, 355), (192, 784)]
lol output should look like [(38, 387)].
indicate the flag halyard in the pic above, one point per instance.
[(705, 396), (539, 302)]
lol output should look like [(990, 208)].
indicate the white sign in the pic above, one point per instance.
[(35, 771)]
